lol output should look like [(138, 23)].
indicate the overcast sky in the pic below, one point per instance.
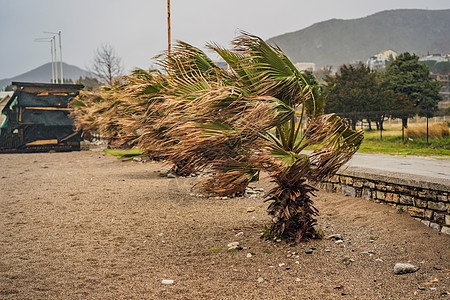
[(137, 29)]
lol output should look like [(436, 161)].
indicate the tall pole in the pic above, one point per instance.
[(56, 64), (53, 64), (60, 56), (168, 27)]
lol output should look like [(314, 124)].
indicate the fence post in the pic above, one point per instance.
[(403, 127), (427, 124), (381, 126)]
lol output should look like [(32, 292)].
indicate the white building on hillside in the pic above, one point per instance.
[(378, 61), (435, 57)]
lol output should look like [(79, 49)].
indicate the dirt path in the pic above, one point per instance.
[(84, 226)]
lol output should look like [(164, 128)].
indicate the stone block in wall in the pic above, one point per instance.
[(405, 199), (366, 194), (445, 230), (447, 219), (370, 184), (346, 180), (416, 212), (429, 214), (380, 186), (422, 194), (391, 197), (334, 179), (427, 223), (402, 189), (337, 188), (349, 180), (358, 183), (390, 188), (448, 208), (380, 195), (432, 194), (437, 206), (439, 218), (435, 226), (420, 202), (348, 191), (442, 197)]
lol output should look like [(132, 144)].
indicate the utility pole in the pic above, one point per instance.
[(60, 55), (56, 64), (168, 27), (53, 63)]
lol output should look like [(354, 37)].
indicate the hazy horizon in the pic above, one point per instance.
[(137, 29)]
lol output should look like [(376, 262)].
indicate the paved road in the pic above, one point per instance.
[(414, 165)]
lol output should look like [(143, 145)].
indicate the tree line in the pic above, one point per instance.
[(404, 90)]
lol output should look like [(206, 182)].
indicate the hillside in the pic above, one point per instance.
[(44, 74), (335, 42)]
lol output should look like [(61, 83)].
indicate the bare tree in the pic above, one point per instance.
[(106, 66)]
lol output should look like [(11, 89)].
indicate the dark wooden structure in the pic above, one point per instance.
[(37, 119)]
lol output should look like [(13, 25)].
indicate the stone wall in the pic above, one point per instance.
[(423, 198)]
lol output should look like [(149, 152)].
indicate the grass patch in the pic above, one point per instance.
[(120, 153), (394, 145), (416, 144)]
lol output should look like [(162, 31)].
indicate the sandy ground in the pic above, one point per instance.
[(82, 225)]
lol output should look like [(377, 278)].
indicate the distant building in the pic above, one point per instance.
[(380, 60), (435, 57), (308, 66), (444, 80)]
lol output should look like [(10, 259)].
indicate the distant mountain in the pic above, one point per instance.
[(335, 42), (44, 74)]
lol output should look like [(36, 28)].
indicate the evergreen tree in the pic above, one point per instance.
[(350, 92), (415, 91)]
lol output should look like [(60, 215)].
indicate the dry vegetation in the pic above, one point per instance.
[(435, 131)]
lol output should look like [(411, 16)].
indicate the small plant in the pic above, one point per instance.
[(267, 251), (374, 238), (268, 233), (400, 210), (318, 234), (386, 212), (214, 249)]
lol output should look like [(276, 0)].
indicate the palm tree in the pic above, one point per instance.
[(224, 121), (201, 116)]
